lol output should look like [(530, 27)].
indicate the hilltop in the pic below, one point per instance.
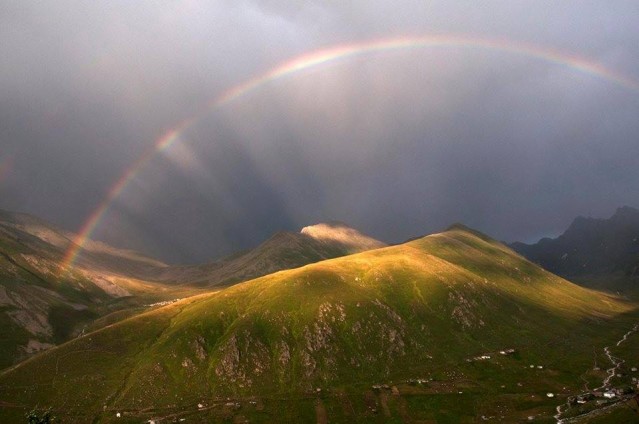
[(284, 250), (412, 331)]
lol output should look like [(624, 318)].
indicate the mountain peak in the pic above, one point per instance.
[(338, 232), (458, 226), (627, 209), (626, 212), (625, 215)]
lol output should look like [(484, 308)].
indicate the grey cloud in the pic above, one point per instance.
[(397, 143)]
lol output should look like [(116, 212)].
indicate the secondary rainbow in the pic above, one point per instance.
[(328, 55)]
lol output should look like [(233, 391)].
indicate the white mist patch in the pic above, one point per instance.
[(338, 232)]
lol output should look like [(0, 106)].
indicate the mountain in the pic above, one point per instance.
[(52, 242), (41, 306), (284, 250), (603, 252), (407, 333)]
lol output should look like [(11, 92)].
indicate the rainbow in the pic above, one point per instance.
[(328, 55)]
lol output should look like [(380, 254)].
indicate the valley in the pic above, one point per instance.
[(598, 400)]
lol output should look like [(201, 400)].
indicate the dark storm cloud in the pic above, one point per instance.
[(397, 144)]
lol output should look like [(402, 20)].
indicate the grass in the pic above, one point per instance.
[(388, 316)]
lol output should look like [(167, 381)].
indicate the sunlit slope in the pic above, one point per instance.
[(400, 312)]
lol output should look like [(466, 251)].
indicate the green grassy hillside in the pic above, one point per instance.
[(389, 335)]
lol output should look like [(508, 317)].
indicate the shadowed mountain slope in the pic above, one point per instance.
[(41, 306), (602, 252)]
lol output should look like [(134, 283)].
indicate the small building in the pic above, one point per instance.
[(609, 395)]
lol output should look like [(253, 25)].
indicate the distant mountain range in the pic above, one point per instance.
[(597, 252), (42, 238)]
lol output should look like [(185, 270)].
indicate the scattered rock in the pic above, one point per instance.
[(200, 351)]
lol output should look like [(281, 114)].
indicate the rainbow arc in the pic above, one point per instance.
[(328, 55)]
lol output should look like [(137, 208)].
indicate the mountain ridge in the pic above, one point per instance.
[(41, 305), (283, 250), (592, 250)]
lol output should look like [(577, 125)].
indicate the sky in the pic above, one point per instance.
[(396, 143)]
